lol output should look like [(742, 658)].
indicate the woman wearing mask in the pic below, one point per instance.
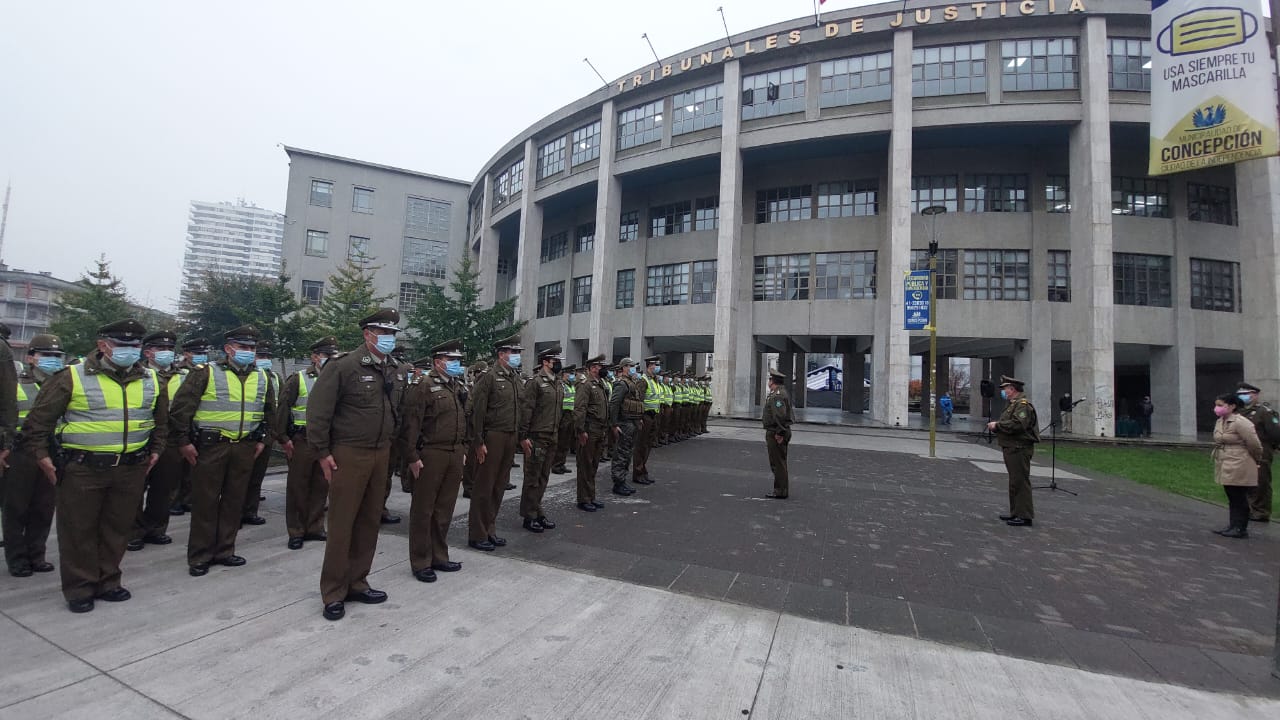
[(1236, 452)]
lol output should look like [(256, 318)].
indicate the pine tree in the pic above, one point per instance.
[(439, 316), (78, 314), (348, 298), (224, 301)]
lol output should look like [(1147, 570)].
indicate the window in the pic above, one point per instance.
[(1214, 285), (949, 70), (1144, 197), (848, 199), (1130, 64), (586, 144), (1143, 279), (704, 282), (410, 295), (640, 125), (784, 204), (670, 219), (475, 216), (510, 182), (781, 277), (667, 285), (773, 93), (629, 226), (1039, 64), (427, 218), (626, 295), (844, 276), (1211, 203), (424, 258), (948, 266), (312, 291), (358, 249), (554, 247), (706, 213), (995, 193), (551, 158), (1057, 194), (317, 243), (322, 193), (697, 109), (1059, 276), (517, 176), (551, 300), (929, 190), (582, 294), (362, 200), (862, 79), (584, 237), (997, 275)]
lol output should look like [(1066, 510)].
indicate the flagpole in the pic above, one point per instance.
[(816, 21)]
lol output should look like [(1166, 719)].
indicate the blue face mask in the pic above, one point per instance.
[(124, 357), (609, 374), (385, 344), (1004, 394), (657, 369), (632, 371), (200, 359), (453, 368), (163, 358), (572, 377), (514, 360), (50, 364), (243, 358), (263, 363), (1245, 398)]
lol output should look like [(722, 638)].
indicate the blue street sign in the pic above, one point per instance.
[(917, 304)]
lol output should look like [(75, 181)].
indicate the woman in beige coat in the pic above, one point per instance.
[(1236, 452)]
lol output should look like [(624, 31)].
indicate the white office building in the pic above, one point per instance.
[(237, 237)]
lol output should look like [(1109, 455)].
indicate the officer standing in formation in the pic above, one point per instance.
[(152, 524), (565, 435), (590, 420), (542, 402), (253, 496), (28, 494), (109, 415), (8, 401), (1267, 423), (647, 428), (494, 409), (306, 489), (195, 354), (777, 420), (626, 413), (473, 374), (1017, 431), (434, 443)]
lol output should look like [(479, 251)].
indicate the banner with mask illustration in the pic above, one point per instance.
[(1213, 99)]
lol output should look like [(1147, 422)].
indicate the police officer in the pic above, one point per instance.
[(607, 376), (221, 417), (626, 412), (777, 420), (253, 496), (195, 354), (109, 415), (152, 522), (590, 419), (1017, 431), (647, 427), (494, 407), (564, 431), (433, 441), (469, 465), (351, 422), (306, 488), (396, 464), (1267, 423), (8, 399), (542, 403), (28, 495)]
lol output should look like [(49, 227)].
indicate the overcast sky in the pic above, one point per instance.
[(117, 114)]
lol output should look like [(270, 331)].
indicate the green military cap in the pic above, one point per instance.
[(652, 359), (449, 348), (777, 376), (569, 369), (551, 353), (264, 348), (160, 338), (44, 343), (627, 362), (127, 332), (1015, 382), (480, 366), (597, 360), (512, 343), (398, 351), (384, 319), (193, 344), (5, 332), (1247, 387), (325, 345), (424, 362), (244, 335)]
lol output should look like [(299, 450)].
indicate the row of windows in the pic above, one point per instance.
[(421, 257), (824, 276), (510, 182), (419, 209)]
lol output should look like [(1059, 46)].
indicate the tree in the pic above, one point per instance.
[(349, 297), (78, 314), (439, 316), (224, 301)]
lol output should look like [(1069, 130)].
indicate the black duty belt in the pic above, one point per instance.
[(101, 460)]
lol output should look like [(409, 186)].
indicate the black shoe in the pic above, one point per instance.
[(466, 494), (321, 537), (199, 570), (1018, 522), (230, 561), (135, 545), (642, 480), (497, 541), (42, 567), (630, 490), (560, 470), (586, 507), (597, 504), (253, 520), (449, 566), (21, 569), (177, 510), (532, 525), (390, 520), (334, 611), (546, 524), (775, 496), (368, 597), (1006, 518), (622, 490), (160, 539), (118, 594), (186, 507), (1260, 518), (425, 575), (295, 543), (261, 498), (484, 545), (511, 486), (1236, 533), (80, 606)]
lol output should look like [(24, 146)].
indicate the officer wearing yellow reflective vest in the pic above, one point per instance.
[(195, 354), (220, 418), (564, 432), (306, 490), (107, 417), (152, 522), (648, 427), (253, 495), (28, 496)]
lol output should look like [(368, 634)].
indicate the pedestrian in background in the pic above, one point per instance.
[(1145, 410), (1236, 454)]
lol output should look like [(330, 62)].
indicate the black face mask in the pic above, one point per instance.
[(556, 367)]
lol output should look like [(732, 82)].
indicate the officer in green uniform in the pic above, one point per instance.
[(541, 405), (8, 400), (152, 523), (195, 354), (777, 420), (469, 465), (395, 465), (626, 412), (306, 489), (253, 496), (220, 421), (590, 421), (28, 495), (494, 409), (108, 414), (648, 425), (564, 431), (1267, 423), (607, 377), (1017, 431)]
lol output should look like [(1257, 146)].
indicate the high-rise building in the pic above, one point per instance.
[(237, 237)]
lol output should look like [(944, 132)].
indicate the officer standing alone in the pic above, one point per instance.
[(1017, 431), (777, 419)]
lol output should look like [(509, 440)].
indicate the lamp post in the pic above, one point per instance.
[(933, 211)]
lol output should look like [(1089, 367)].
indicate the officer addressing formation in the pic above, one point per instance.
[(1017, 431)]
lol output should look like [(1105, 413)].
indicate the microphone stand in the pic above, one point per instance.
[(1052, 427)]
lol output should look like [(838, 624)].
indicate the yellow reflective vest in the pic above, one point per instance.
[(570, 392), (105, 416), (299, 409), (652, 395), (232, 406), (26, 398)]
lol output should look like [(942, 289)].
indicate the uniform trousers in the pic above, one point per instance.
[(1017, 460), (491, 481), (778, 461), (256, 475), (395, 464), (537, 471), (1260, 497), (643, 444), (469, 471), (435, 492), (161, 490), (219, 481), (565, 437), (623, 443), (356, 492), (306, 491), (95, 513), (28, 510), (588, 465)]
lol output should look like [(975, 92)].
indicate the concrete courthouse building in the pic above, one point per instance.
[(762, 194)]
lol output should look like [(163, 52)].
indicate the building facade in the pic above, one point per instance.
[(409, 225), (27, 301), (762, 194), (238, 237)]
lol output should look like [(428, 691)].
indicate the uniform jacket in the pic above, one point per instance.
[(288, 397), (184, 403), (776, 416), (1018, 426), (541, 403), (354, 402), (8, 396), (1266, 423), (590, 407), (627, 400), (494, 403), (435, 416), (1236, 451)]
